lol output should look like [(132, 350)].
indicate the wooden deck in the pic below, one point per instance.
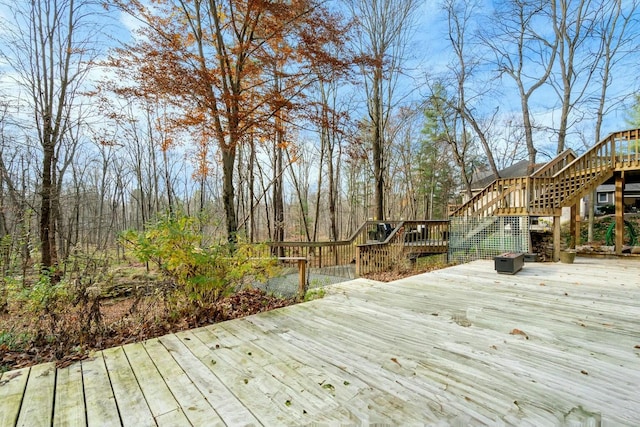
[(553, 345)]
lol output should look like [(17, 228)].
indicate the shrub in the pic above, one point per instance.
[(204, 274), (607, 209)]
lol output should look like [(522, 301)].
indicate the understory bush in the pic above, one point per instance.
[(202, 273)]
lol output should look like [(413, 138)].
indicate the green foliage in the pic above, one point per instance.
[(45, 295), (315, 293), (13, 341), (203, 273), (633, 117), (607, 209)]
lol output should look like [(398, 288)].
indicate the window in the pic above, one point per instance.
[(603, 197)]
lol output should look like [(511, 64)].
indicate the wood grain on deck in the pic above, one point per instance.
[(552, 345)]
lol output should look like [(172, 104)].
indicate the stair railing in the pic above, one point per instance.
[(560, 182)]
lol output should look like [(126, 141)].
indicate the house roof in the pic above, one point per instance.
[(517, 169)]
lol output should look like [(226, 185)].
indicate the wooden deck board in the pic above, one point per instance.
[(201, 392), (135, 412), (69, 400), (268, 399), (37, 403), (98, 394), (552, 345), (161, 401), (12, 386)]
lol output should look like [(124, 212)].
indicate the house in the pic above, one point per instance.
[(605, 196)]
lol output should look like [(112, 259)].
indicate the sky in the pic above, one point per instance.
[(428, 54)]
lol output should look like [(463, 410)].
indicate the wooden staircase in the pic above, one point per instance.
[(561, 182)]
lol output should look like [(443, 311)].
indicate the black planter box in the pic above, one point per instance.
[(509, 263)]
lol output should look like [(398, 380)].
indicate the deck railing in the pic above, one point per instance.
[(330, 253), (559, 183), (556, 165), (408, 241), (504, 196), (373, 240)]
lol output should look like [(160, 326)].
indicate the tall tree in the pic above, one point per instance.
[(444, 125), (214, 59), (574, 24), (618, 37), (48, 45), (459, 19), (385, 27), (523, 51)]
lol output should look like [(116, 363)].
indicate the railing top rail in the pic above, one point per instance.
[(568, 153), (398, 224), (591, 152), (489, 188)]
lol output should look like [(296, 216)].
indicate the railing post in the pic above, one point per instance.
[(358, 260), (556, 237), (302, 277), (619, 212)]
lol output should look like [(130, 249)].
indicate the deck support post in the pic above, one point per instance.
[(574, 228), (556, 238), (619, 212)]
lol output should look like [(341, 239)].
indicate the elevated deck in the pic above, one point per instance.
[(553, 345)]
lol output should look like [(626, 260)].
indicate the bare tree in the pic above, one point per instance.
[(459, 18), (522, 52), (574, 25), (48, 45), (617, 32), (385, 27)]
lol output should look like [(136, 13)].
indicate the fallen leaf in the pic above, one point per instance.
[(328, 387), (638, 346), (394, 360), (519, 332), (583, 372)]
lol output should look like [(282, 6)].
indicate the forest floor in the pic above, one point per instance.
[(29, 337), (71, 328)]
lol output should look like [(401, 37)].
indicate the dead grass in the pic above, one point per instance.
[(73, 331)]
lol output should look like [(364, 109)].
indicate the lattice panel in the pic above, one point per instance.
[(485, 238)]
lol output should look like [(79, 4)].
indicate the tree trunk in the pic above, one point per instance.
[(167, 183), (378, 147), (45, 207), (278, 197), (228, 193)]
